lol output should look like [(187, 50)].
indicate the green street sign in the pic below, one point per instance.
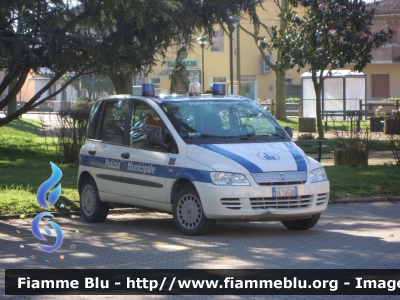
[(187, 63)]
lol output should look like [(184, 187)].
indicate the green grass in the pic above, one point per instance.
[(25, 165), (359, 182), (291, 122)]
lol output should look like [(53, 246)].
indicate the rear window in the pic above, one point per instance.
[(93, 120)]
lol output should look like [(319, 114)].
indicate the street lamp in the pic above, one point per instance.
[(233, 22), (202, 41)]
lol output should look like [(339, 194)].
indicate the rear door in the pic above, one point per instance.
[(103, 154)]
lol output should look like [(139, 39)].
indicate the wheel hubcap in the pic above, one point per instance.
[(88, 200), (189, 211)]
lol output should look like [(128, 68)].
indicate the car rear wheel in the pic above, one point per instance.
[(188, 213), (92, 208), (302, 224)]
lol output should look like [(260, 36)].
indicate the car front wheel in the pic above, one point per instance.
[(188, 213), (302, 224), (92, 208)]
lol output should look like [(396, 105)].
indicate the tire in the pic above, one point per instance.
[(302, 224), (93, 210), (188, 213)]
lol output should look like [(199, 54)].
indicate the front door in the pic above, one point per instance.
[(144, 170)]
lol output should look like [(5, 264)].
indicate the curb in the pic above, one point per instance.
[(136, 210)]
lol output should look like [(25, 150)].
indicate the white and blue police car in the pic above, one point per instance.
[(201, 158)]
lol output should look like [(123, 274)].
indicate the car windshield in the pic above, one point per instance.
[(222, 119)]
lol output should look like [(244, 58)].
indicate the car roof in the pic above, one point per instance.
[(178, 98)]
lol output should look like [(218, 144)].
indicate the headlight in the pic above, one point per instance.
[(318, 175), (224, 178)]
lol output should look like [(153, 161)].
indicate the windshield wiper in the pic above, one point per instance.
[(208, 135), (248, 136), (274, 134)]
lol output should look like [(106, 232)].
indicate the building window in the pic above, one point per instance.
[(64, 95), (219, 79), (380, 85), (217, 44), (264, 67), (51, 90), (289, 81), (156, 82)]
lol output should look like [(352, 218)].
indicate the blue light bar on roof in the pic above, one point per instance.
[(219, 89), (148, 90)]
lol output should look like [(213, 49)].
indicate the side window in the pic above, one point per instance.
[(93, 120), (143, 120), (112, 129)]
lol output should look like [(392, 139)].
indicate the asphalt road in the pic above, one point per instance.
[(348, 236)]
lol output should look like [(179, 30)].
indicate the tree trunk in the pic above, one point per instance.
[(122, 82), (280, 111), (320, 126), (318, 88), (12, 106), (128, 82)]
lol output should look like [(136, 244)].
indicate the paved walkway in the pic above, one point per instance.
[(348, 236)]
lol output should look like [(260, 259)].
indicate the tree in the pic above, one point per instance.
[(132, 34), (116, 37), (278, 35), (333, 35), (37, 35)]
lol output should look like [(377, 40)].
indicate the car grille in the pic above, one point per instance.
[(281, 202), (322, 198), (231, 203), (280, 178)]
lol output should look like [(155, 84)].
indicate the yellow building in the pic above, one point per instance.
[(257, 81)]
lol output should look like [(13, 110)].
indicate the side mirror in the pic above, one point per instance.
[(289, 131), (154, 140)]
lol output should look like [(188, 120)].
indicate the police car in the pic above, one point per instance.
[(201, 158)]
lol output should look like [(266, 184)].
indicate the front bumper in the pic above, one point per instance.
[(257, 202)]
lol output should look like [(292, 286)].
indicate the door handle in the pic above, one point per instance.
[(125, 155), (92, 152)]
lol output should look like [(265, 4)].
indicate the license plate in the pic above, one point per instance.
[(286, 191)]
